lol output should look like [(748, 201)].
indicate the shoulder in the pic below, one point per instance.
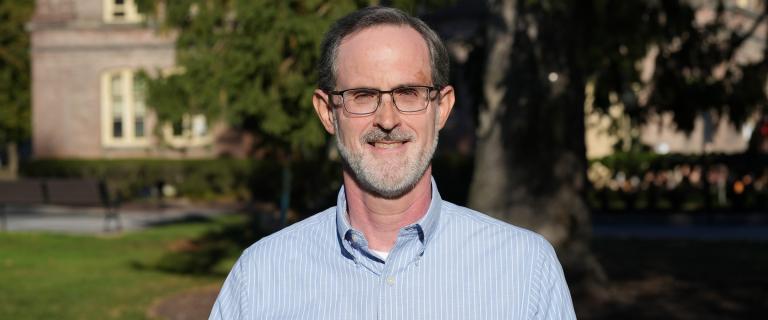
[(267, 257), (529, 254), (474, 220), (303, 234), (492, 230)]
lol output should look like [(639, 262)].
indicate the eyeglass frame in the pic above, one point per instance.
[(380, 93)]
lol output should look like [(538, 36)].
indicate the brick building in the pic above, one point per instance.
[(87, 100)]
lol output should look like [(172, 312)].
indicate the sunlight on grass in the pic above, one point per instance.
[(57, 276)]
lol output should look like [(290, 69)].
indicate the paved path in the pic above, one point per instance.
[(91, 220), (753, 227)]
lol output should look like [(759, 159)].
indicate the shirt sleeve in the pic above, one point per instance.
[(554, 298), (231, 302)]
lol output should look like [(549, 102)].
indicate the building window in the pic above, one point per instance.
[(126, 116), (190, 131), (124, 110), (139, 108), (121, 11)]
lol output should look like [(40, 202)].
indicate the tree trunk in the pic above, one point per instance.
[(530, 162), (489, 184)]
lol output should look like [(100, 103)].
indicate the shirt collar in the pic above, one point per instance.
[(427, 224)]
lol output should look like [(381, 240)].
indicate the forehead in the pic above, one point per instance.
[(386, 54)]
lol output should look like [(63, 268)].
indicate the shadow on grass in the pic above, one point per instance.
[(189, 218), (201, 255)]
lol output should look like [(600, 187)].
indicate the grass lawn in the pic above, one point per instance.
[(58, 276)]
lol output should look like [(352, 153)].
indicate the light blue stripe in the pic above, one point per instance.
[(465, 265)]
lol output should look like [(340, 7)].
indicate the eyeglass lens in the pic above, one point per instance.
[(407, 99)]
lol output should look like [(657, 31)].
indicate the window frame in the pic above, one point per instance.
[(187, 137), (131, 12), (128, 138)]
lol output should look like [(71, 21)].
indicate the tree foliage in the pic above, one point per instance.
[(560, 46), (251, 63), (695, 65), (14, 71)]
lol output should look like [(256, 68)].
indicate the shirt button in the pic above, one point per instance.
[(391, 281)]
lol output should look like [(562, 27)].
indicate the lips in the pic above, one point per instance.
[(381, 140), (387, 144)]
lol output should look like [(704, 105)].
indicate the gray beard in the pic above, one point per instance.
[(379, 181)]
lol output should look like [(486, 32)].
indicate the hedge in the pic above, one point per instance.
[(197, 179)]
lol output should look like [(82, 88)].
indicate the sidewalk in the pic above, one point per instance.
[(91, 220), (751, 227)]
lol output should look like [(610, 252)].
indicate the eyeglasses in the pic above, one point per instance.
[(365, 101)]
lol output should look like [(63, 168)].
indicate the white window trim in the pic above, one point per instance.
[(131, 12), (128, 138), (188, 138)]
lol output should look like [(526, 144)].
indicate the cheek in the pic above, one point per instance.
[(348, 134), (428, 127)]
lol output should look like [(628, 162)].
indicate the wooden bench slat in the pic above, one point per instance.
[(21, 192), (75, 192)]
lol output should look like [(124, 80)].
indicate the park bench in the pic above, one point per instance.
[(60, 192)]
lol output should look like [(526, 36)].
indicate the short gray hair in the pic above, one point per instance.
[(376, 16)]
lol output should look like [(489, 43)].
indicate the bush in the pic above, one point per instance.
[(678, 182)]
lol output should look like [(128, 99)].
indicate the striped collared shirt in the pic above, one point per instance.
[(455, 263)]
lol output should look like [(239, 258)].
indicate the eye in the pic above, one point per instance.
[(362, 94), (408, 91)]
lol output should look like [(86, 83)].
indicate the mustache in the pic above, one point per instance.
[(377, 134)]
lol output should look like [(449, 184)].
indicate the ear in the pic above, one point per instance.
[(446, 99), (324, 110)]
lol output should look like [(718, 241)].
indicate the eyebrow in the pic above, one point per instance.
[(406, 84)]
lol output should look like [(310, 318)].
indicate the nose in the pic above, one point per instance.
[(387, 117)]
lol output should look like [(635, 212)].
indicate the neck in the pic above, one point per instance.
[(381, 219)]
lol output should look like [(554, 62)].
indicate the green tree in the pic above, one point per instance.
[(14, 78), (250, 63)]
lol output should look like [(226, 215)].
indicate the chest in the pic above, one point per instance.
[(432, 287)]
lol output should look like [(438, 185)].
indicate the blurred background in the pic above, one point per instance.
[(145, 143)]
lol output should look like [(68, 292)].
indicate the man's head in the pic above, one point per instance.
[(387, 147), (372, 17)]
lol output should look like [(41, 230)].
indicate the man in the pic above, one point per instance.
[(391, 248)]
